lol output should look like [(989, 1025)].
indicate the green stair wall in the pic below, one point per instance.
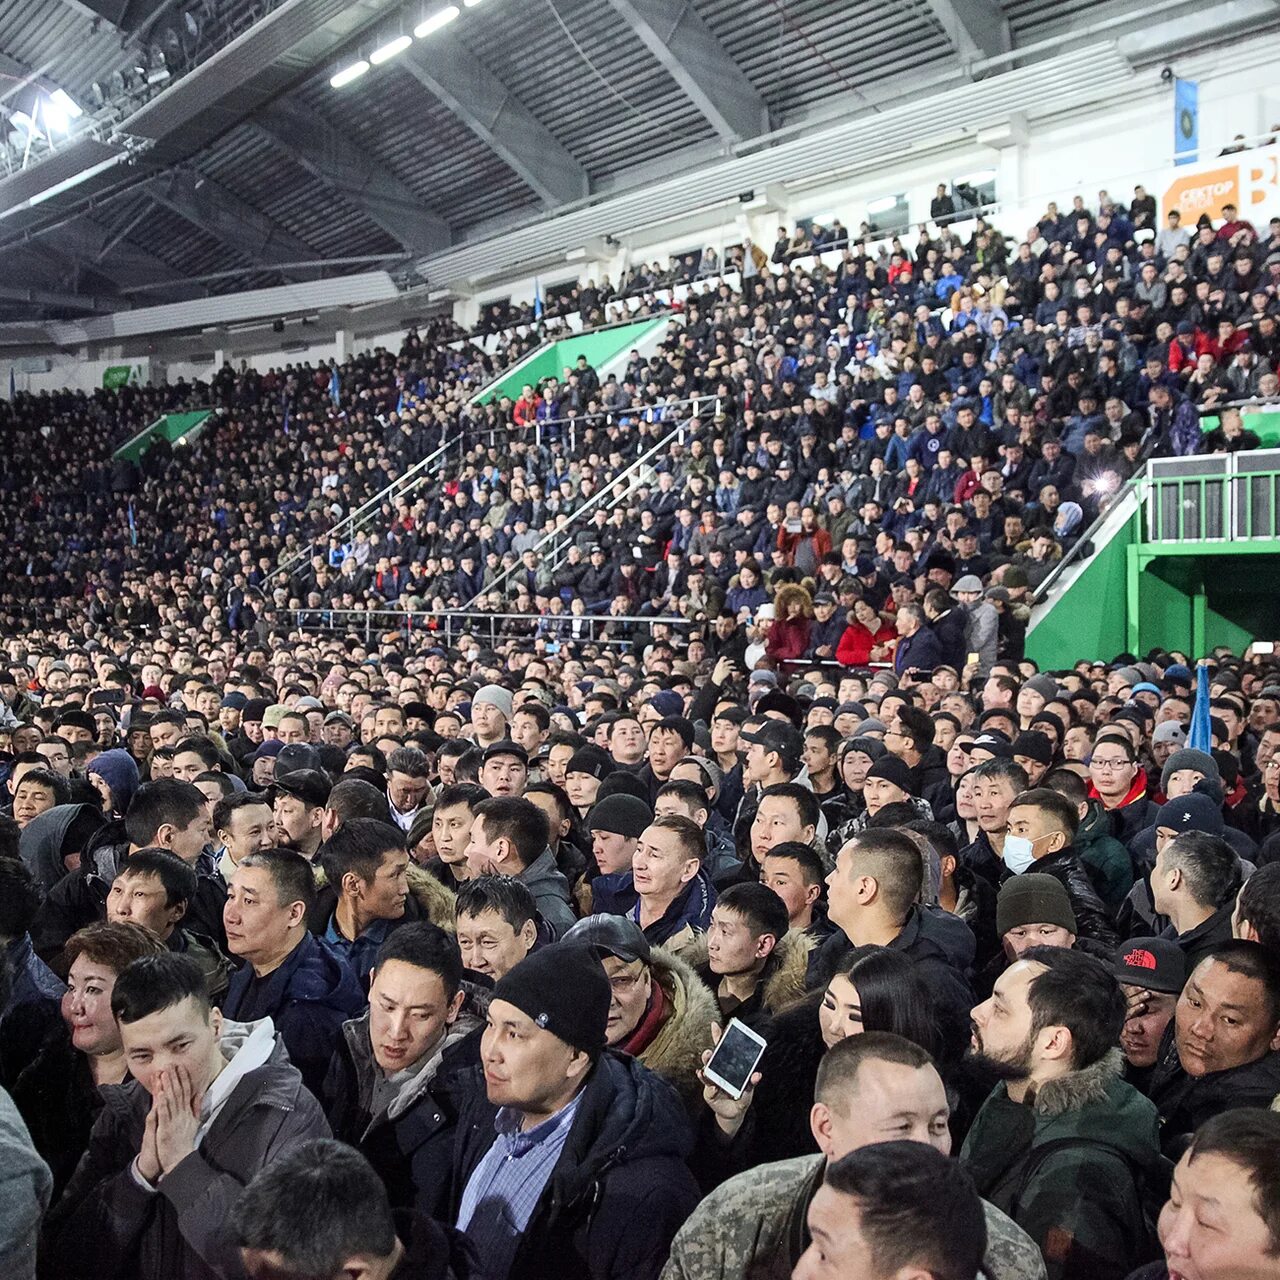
[(552, 358), (172, 427)]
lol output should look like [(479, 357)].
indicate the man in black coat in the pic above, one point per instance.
[(393, 1089), (570, 1161)]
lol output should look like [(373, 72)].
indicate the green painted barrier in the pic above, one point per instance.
[(552, 358), (172, 427), (1265, 424)]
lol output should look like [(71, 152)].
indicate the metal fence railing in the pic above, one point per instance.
[(448, 627), (1225, 497)]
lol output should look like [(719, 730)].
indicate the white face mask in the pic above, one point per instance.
[(1018, 854)]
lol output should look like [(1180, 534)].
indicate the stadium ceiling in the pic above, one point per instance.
[(154, 152)]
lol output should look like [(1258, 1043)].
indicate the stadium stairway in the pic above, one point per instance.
[(1185, 558)]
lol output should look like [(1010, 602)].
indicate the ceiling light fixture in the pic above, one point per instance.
[(441, 18), (344, 77), (384, 53)]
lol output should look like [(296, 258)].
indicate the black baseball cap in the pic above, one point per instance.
[(309, 785), (610, 935), (779, 736)]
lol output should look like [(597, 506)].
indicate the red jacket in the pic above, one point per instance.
[(854, 649), (788, 638)]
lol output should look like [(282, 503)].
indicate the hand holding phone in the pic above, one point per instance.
[(729, 1074)]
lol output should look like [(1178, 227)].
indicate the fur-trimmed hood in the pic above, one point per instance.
[(675, 1053), (1081, 1088), (430, 900), (783, 975)]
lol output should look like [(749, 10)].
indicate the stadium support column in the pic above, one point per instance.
[(1009, 141), (344, 341)]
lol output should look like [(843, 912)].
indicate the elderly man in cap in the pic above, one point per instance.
[(982, 624), (570, 1160), (660, 1012)]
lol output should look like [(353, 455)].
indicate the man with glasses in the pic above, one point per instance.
[(1118, 781)]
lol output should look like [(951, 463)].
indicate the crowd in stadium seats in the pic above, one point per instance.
[(402, 950)]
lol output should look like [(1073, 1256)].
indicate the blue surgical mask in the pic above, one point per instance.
[(1018, 854)]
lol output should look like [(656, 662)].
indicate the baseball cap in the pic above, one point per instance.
[(611, 935), (309, 785), (779, 736), (1158, 964)]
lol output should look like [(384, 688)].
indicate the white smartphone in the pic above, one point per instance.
[(735, 1058), (1264, 646)]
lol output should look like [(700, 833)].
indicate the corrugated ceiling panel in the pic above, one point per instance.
[(1033, 19)]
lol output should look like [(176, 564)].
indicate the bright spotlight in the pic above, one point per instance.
[(348, 74), (441, 18), (389, 50)]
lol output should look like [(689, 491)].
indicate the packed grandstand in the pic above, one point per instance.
[(409, 784)]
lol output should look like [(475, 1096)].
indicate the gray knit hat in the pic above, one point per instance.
[(1200, 761)]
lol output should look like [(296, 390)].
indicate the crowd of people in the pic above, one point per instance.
[(403, 950)]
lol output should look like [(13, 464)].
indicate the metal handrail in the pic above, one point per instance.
[(594, 501), (370, 620), (1078, 551)]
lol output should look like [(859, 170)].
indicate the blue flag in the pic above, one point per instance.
[(334, 387), (537, 298), (1201, 738), (133, 526)]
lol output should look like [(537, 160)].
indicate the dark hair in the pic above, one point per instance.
[(1076, 991), (355, 798), (113, 943), (1251, 960), (515, 819), (827, 734), (359, 846), (19, 899), (941, 837), (894, 997), (916, 1209), (179, 880), (220, 780), (317, 1207), (1003, 770), (893, 861), (164, 802), (549, 788), (427, 946), (45, 777), (1250, 1138), (291, 875), (1069, 784), (158, 982), (805, 801), (1049, 801), (168, 715), (228, 805), (1120, 739), (838, 1069), (917, 725), (469, 793), (693, 843), (761, 908), (1260, 903), (1210, 866), (409, 761), (377, 759), (502, 894), (466, 759), (805, 855), (202, 746), (539, 713), (689, 793)]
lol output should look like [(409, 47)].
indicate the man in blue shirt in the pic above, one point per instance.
[(571, 1161)]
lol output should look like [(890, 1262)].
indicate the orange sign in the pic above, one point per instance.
[(1203, 191), (1250, 180)]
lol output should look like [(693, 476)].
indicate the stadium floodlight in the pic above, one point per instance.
[(471, 4), (66, 104), (384, 53), (344, 77), (441, 18)]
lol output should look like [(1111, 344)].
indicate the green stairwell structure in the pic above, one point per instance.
[(1188, 557), (601, 347), (173, 427)]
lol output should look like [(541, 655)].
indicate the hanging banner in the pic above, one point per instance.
[(1186, 121), (1250, 180)]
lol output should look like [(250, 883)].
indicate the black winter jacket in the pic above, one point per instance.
[(620, 1189)]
